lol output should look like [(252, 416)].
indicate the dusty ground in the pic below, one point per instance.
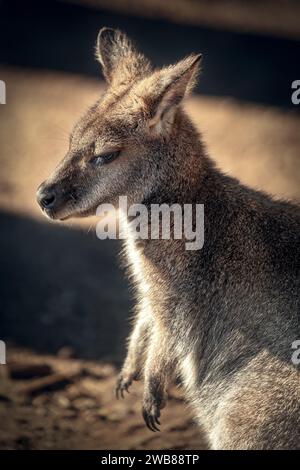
[(78, 410), (61, 286)]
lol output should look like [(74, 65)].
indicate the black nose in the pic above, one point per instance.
[(46, 199)]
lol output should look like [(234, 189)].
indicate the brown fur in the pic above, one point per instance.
[(222, 319)]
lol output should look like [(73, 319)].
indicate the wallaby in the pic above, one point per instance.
[(222, 320)]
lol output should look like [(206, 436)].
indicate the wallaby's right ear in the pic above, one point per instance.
[(116, 53), (164, 90)]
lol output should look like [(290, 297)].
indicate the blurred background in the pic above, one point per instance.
[(65, 303)]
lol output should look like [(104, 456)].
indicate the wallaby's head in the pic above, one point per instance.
[(125, 142)]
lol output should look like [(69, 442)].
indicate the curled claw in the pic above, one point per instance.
[(122, 385), (151, 419)]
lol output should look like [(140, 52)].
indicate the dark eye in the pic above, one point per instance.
[(105, 158)]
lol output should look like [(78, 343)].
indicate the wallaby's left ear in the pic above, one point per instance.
[(118, 56), (169, 86)]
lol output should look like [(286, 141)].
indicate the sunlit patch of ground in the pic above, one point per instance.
[(51, 402), (257, 144)]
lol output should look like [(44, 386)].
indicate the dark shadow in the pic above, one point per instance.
[(61, 286), (61, 36)]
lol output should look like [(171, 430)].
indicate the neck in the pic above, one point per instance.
[(182, 167), (187, 178)]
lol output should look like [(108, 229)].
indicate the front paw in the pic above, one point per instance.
[(152, 404), (124, 381)]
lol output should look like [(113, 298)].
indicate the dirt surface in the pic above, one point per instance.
[(70, 404)]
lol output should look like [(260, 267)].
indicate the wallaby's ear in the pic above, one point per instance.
[(169, 86), (117, 55)]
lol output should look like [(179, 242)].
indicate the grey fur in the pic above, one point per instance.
[(222, 319)]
